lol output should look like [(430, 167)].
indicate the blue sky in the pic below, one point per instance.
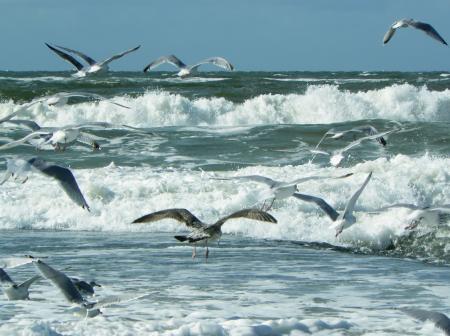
[(253, 34)]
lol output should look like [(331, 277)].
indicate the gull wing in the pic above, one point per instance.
[(180, 215), (19, 110), (13, 262), (5, 278), (171, 59), (64, 177), (90, 95), (256, 178), (23, 140), (358, 141), (328, 209), (440, 320), (27, 123), (352, 201), (428, 29), (117, 299), (66, 57), (61, 281), (387, 37), (250, 214), (308, 178), (26, 284), (112, 58), (218, 61), (88, 59)]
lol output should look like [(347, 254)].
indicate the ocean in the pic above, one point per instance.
[(186, 138)]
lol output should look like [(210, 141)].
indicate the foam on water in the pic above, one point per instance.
[(319, 104), (117, 195)]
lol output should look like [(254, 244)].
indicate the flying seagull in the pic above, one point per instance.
[(345, 219), (69, 290), (202, 231), (12, 290), (435, 215), (93, 66), (279, 189), (58, 99), (404, 23), (186, 70), (441, 321), (19, 168), (59, 137)]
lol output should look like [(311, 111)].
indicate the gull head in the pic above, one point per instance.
[(95, 145), (339, 226)]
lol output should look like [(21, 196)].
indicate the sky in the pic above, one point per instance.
[(254, 35)]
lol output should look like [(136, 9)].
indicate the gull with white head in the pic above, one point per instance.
[(343, 220), (404, 23), (93, 66), (200, 230), (279, 190), (186, 70)]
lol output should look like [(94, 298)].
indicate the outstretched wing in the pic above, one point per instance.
[(351, 203), (218, 61), (440, 320), (112, 58), (66, 57), (387, 37), (19, 142), (255, 178), (65, 178), (428, 29), (180, 215), (250, 214), (171, 59), (5, 278), (27, 123), (26, 284), (88, 59), (328, 209)]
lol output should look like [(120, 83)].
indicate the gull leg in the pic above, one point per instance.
[(264, 204), (207, 250), (193, 252), (270, 206)]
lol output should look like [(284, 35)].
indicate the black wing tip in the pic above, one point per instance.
[(146, 68), (139, 220), (181, 238)]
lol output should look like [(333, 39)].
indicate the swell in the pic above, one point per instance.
[(318, 104)]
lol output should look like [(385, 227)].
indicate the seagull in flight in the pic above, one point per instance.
[(343, 220), (435, 215), (279, 189), (186, 70), (404, 23), (14, 291), (200, 230), (92, 65), (19, 169), (58, 99)]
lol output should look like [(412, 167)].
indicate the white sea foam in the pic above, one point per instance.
[(117, 195), (319, 104)]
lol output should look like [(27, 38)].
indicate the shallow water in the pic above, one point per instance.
[(294, 277)]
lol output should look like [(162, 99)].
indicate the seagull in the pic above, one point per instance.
[(278, 189), (186, 70), (93, 66), (58, 99), (404, 23), (441, 321), (19, 168), (436, 215), (345, 219), (202, 231), (73, 295), (59, 137), (13, 291)]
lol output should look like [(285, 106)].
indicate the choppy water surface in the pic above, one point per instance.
[(294, 277)]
